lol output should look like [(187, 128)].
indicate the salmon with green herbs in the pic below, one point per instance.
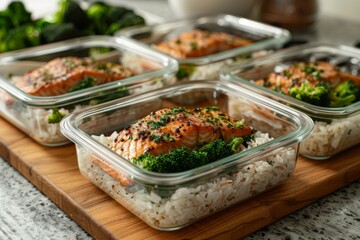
[(199, 43), (63, 75), (171, 128)]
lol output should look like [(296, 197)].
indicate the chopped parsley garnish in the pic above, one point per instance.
[(310, 69), (154, 124), (194, 45), (166, 137), (211, 108), (266, 84), (85, 83), (287, 73), (277, 88), (101, 66), (240, 124)]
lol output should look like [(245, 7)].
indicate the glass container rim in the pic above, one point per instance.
[(278, 36)]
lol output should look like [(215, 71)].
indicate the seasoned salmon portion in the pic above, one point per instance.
[(199, 43), (170, 128), (296, 74), (61, 75)]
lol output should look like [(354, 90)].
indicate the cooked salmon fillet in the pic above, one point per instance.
[(60, 75), (170, 128), (313, 72), (199, 43)]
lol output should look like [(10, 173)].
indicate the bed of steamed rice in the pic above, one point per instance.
[(189, 203), (328, 139)]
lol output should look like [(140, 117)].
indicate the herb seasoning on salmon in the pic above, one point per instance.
[(178, 139), (68, 74), (199, 43)]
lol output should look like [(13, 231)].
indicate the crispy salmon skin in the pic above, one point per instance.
[(171, 128), (61, 75), (199, 43)]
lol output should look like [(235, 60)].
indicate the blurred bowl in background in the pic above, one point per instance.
[(197, 8)]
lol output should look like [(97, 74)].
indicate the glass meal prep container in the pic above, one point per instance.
[(336, 128), (39, 116), (264, 38), (170, 201)]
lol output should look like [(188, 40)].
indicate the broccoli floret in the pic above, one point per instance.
[(344, 94), (85, 83), (97, 12), (182, 159), (128, 20), (216, 150), (21, 37), (117, 93), (115, 13), (317, 95), (185, 71), (58, 32), (18, 14), (235, 143), (55, 116), (70, 12), (5, 24)]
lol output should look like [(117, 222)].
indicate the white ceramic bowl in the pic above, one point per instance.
[(197, 8)]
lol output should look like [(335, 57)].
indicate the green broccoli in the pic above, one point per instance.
[(115, 13), (58, 32), (235, 143), (55, 116), (85, 83), (344, 94), (128, 20), (182, 159), (317, 95), (21, 37), (185, 71), (117, 93), (18, 14), (216, 150), (97, 12), (70, 12)]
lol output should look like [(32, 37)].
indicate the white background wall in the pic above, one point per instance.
[(345, 9)]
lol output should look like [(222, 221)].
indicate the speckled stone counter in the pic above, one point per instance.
[(25, 213)]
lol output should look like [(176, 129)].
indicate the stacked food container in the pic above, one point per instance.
[(166, 70)]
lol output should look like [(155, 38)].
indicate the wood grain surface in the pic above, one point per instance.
[(54, 171)]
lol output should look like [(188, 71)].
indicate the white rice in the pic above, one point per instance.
[(188, 203), (328, 139)]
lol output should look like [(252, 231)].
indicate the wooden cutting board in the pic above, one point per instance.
[(54, 171)]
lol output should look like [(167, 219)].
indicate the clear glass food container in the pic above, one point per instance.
[(336, 129), (170, 201), (265, 39), (31, 113)]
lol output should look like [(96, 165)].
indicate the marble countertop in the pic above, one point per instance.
[(25, 213)]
